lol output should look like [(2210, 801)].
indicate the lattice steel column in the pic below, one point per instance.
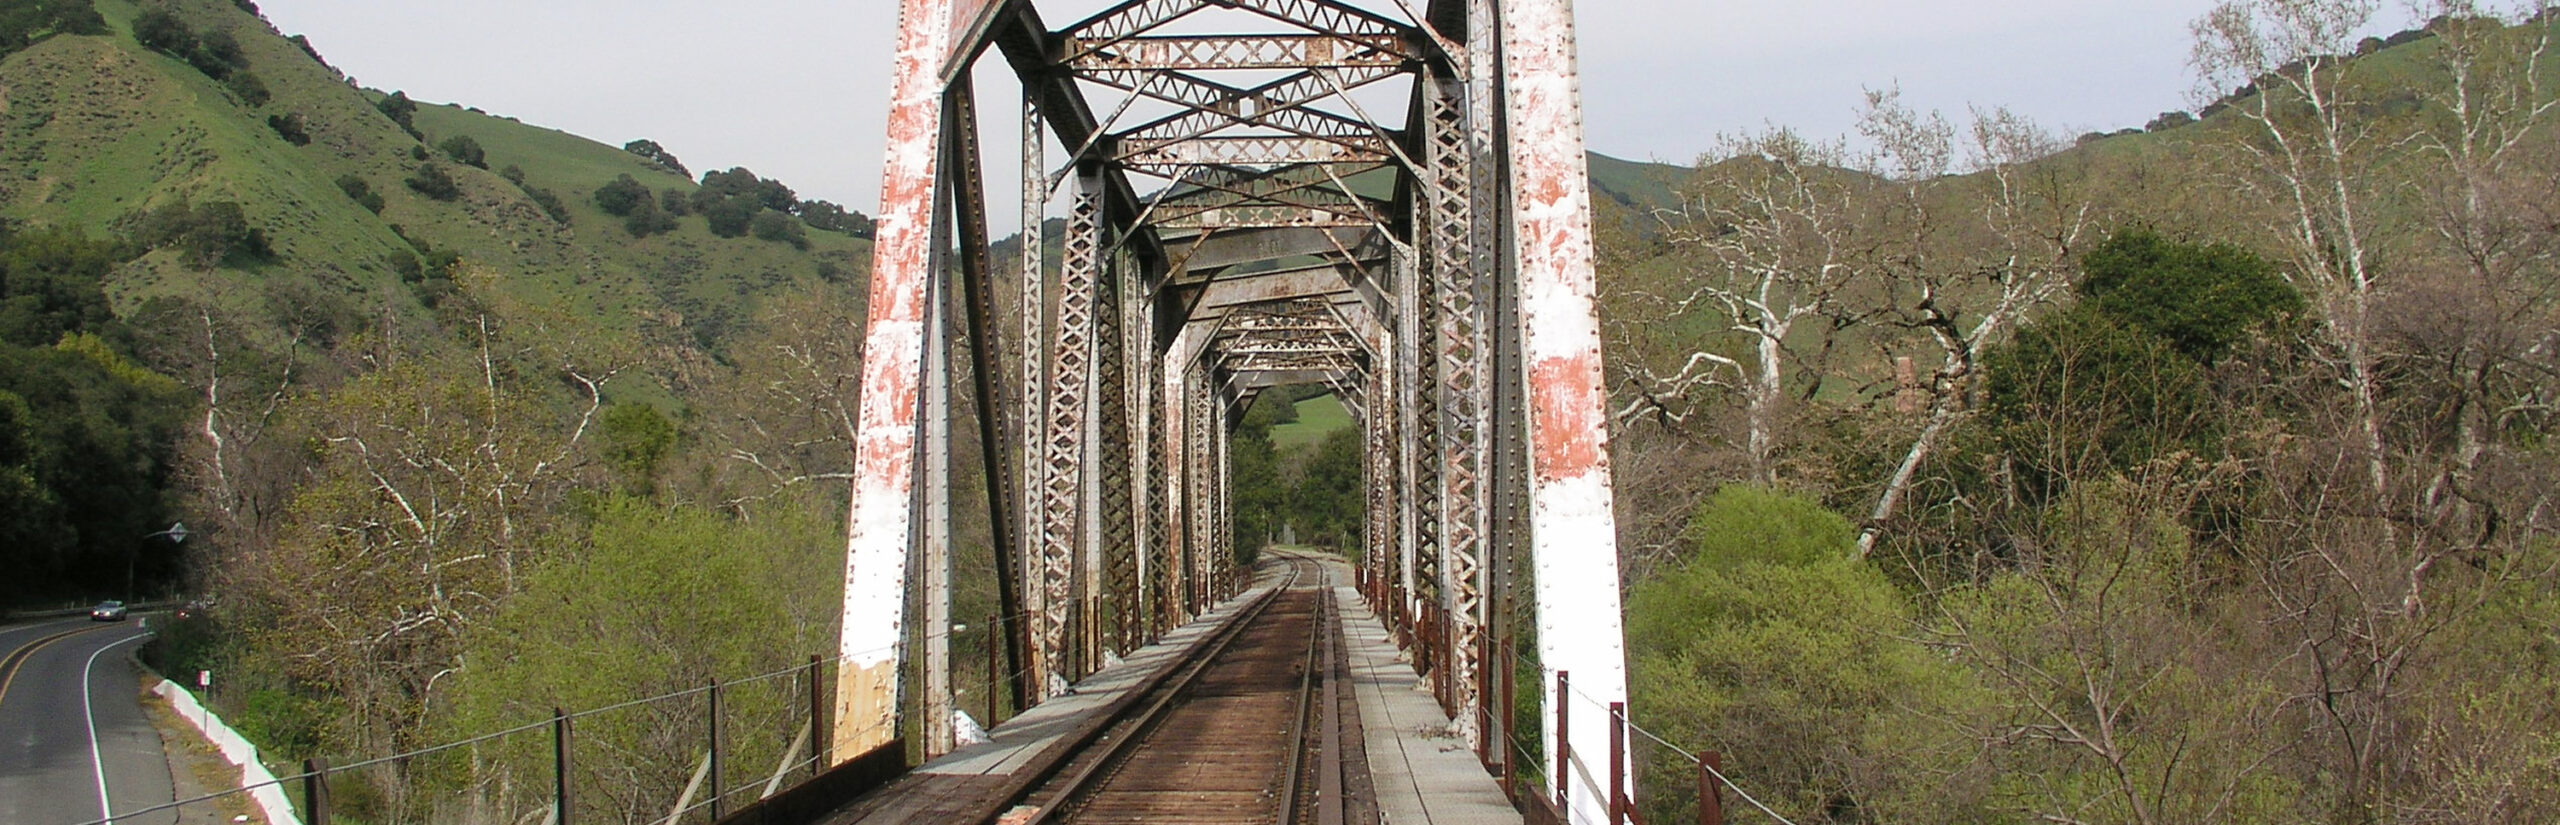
[(1199, 466), (1418, 431), (1117, 592), (1065, 539), (1458, 285), (1164, 483), (1031, 618), (1379, 464), (1223, 558)]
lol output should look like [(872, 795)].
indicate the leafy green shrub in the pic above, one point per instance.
[(550, 202), (730, 217), (647, 219), (246, 86), (158, 30), (217, 54), (401, 110), (676, 202), (1770, 642), (463, 150), (434, 182), (828, 216), (361, 192), (24, 23), (2201, 298), (289, 126), (775, 226), (513, 173), (622, 196), (656, 155), (50, 285), (206, 234), (739, 182), (636, 438)]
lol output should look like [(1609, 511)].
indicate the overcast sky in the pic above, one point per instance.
[(797, 89)]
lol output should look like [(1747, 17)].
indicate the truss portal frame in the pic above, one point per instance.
[(1237, 218)]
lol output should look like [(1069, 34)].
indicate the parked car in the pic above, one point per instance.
[(107, 611)]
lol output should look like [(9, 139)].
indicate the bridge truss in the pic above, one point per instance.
[(1390, 202)]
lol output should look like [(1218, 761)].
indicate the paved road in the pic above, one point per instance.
[(68, 708)]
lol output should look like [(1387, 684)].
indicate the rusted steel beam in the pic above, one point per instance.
[(1251, 151), (1028, 47), (1573, 529), (977, 272), (883, 521), (1137, 17), (1238, 52)]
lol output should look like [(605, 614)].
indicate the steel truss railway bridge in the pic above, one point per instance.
[(1387, 198)]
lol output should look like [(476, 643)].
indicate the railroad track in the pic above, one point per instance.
[(1250, 732)]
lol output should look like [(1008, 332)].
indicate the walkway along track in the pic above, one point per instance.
[(1251, 731)]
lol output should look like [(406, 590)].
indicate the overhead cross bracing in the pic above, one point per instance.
[(1385, 198)]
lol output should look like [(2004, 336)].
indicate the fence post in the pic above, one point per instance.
[(1710, 789), (715, 749), (315, 791), (559, 766), (995, 663), (1617, 763), (819, 742), (1564, 739)]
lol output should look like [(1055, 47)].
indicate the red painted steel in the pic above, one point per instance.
[(893, 348), (1571, 498)]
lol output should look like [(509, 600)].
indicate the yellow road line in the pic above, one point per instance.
[(17, 659)]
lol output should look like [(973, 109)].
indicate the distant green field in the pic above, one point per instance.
[(1317, 418)]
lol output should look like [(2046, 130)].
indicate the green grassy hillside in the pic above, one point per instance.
[(1317, 417), (1632, 183), (95, 128)]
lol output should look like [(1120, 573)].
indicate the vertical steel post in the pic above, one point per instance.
[(560, 767), (713, 702), (977, 272), (881, 531), (1710, 788), (996, 636), (315, 791), (1617, 763), (1563, 745), (1573, 530), (932, 548), (818, 739)]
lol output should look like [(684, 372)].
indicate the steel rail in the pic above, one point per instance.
[(1086, 781)]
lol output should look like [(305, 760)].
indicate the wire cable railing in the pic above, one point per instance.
[(315, 773)]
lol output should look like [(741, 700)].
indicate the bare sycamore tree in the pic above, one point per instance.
[(1967, 266), (786, 418), (2286, 62), (2480, 310), (1774, 243), (430, 484)]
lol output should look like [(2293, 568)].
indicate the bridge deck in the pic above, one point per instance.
[(1420, 773)]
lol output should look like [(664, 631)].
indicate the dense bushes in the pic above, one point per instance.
[(217, 54), (433, 181), (402, 111), (87, 437), (205, 234), (290, 127), (361, 192), (24, 23)]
